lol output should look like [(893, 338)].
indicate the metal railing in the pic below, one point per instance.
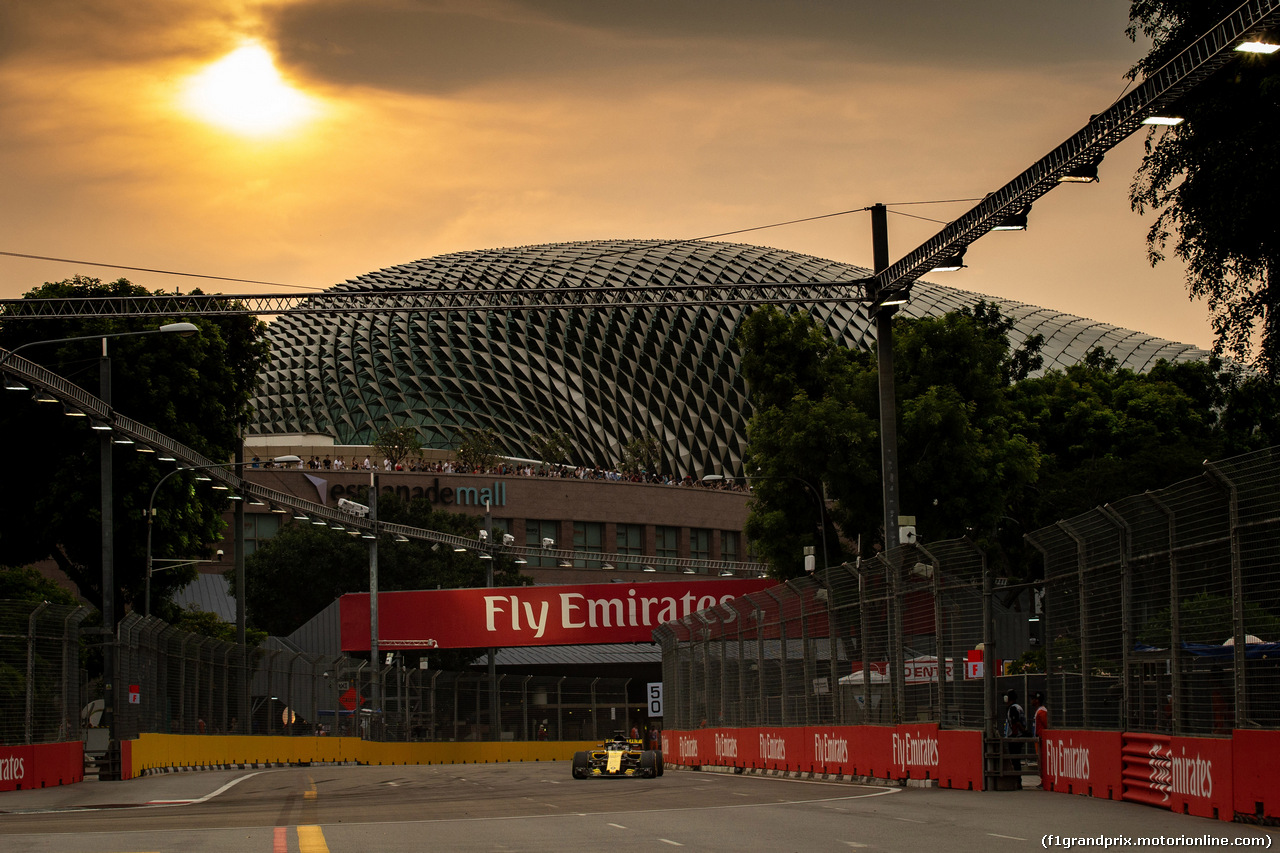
[(1157, 613)]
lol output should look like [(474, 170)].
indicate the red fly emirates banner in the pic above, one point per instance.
[(507, 617)]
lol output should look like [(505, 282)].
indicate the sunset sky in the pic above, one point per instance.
[(304, 142)]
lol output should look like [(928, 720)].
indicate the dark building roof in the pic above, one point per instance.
[(601, 370)]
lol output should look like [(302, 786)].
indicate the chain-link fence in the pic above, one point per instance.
[(1157, 613), (41, 687), (176, 682), (173, 681), (881, 641), (1161, 612)]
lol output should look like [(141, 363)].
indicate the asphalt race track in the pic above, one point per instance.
[(537, 807)]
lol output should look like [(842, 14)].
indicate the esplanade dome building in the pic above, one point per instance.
[(592, 351)]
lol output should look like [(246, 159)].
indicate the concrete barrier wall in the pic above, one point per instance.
[(157, 751), (41, 765)]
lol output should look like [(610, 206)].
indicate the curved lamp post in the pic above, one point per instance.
[(822, 509), (282, 460), (108, 516)]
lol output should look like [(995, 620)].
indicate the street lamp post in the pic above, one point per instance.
[(151, 503), (822, 509), (884, 309), (108, 515)]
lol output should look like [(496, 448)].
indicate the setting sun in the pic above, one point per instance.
[(244, 93)]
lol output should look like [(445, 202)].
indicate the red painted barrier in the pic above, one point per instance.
[(1082, 762), (1206, 777), (40, 766), (1201, 782), (1255, 787), (1145, 769), (921, 751)]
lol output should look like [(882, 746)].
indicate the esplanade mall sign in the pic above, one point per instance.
[(494, 494)]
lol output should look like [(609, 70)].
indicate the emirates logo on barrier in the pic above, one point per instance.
[(1192, 776), (830, 750), (917, 751), (726, 746), (773, 748), (1065, 760), (11, 769)]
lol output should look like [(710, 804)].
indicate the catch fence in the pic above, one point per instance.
[(1156, 613), (41, 683), (1161, 611), (853, 644), (172, 681), (176, 682)]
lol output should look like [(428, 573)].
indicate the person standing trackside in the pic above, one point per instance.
[(1015, 726), (1039, 726)]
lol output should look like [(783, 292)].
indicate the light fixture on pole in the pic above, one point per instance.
[(1263, 43), (1081, 173), (151, 511), (108, 513), (951, 263), (1014, 221), (822, 509)]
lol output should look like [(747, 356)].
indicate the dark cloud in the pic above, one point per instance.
[(97, 32), (424, 48), (996, 30), (438, 47)]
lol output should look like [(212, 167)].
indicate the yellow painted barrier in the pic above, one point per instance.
[(155, 751)]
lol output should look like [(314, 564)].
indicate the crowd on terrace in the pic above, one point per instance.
[(504, 469)]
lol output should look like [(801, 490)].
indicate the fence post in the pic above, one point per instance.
[(1237, 591), (990, 728), (31, 670), (939, 637), (1085, 704), (1175, 618), (1126, 614)]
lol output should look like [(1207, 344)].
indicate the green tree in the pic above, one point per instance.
[(809, 435), (1208, 180), (208, 624), (1103, 432), (27, 584), (1206, 618), (641, 455), (195, 389), (397, 443), (479, 449), (553, 448), (962, 462)]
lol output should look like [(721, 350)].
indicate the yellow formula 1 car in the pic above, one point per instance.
[(618, 757)]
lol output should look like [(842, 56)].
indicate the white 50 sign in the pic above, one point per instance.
[(655, 699)]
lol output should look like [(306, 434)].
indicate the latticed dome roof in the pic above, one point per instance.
[(593, 365)]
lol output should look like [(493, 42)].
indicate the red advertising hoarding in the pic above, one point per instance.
[(508, 617), (40, 766), (919, 751)]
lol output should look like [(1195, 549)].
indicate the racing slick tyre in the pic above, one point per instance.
[(580, 765), (649, 764), (661, 764)]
